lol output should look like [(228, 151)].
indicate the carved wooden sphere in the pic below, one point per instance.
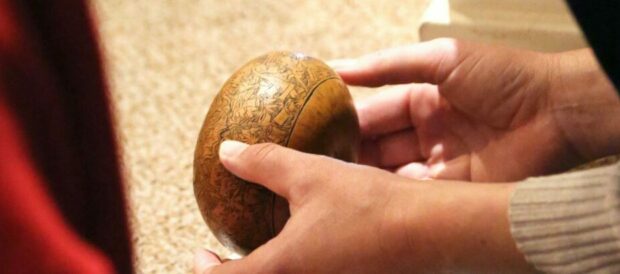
[(284, 98)]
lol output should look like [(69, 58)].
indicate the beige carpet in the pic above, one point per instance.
[(167, 59)]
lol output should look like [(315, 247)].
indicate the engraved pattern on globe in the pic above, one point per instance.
[(259, 103)]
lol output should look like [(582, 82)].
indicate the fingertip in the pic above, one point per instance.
[(416, 171), (342, 64), (361, 107), (205, 261), (353, 71), (436, 170)]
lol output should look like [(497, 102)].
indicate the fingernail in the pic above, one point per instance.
[(230, 149), (342, 64), (204, 261)]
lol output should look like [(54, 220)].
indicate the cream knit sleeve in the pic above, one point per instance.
[(569, 223)]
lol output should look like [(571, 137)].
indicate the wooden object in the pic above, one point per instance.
[(284, 98)]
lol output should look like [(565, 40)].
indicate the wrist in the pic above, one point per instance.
[(468, 225), (584, 104)]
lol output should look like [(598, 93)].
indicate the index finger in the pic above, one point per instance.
[(427, 62)]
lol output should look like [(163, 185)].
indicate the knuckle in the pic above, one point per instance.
[(279, 267), (446, 47), (261, 152), (315, 172), (321, 165), (274, 263), (297, 192)]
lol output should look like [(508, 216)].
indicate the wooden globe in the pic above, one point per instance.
[(281, 97)]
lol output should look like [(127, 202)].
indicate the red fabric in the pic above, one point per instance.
[(62, 208)]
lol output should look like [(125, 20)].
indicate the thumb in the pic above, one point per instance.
[(280, 169), (205, 261)]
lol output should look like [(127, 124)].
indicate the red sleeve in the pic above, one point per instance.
[(33, 236), (62, 205)]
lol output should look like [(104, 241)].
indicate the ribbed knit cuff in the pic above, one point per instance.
[(569, 223)]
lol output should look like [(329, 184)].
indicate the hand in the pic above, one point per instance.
[(348, 218), (487, 114)]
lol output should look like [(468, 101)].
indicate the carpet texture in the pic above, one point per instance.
[(166, 60)]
